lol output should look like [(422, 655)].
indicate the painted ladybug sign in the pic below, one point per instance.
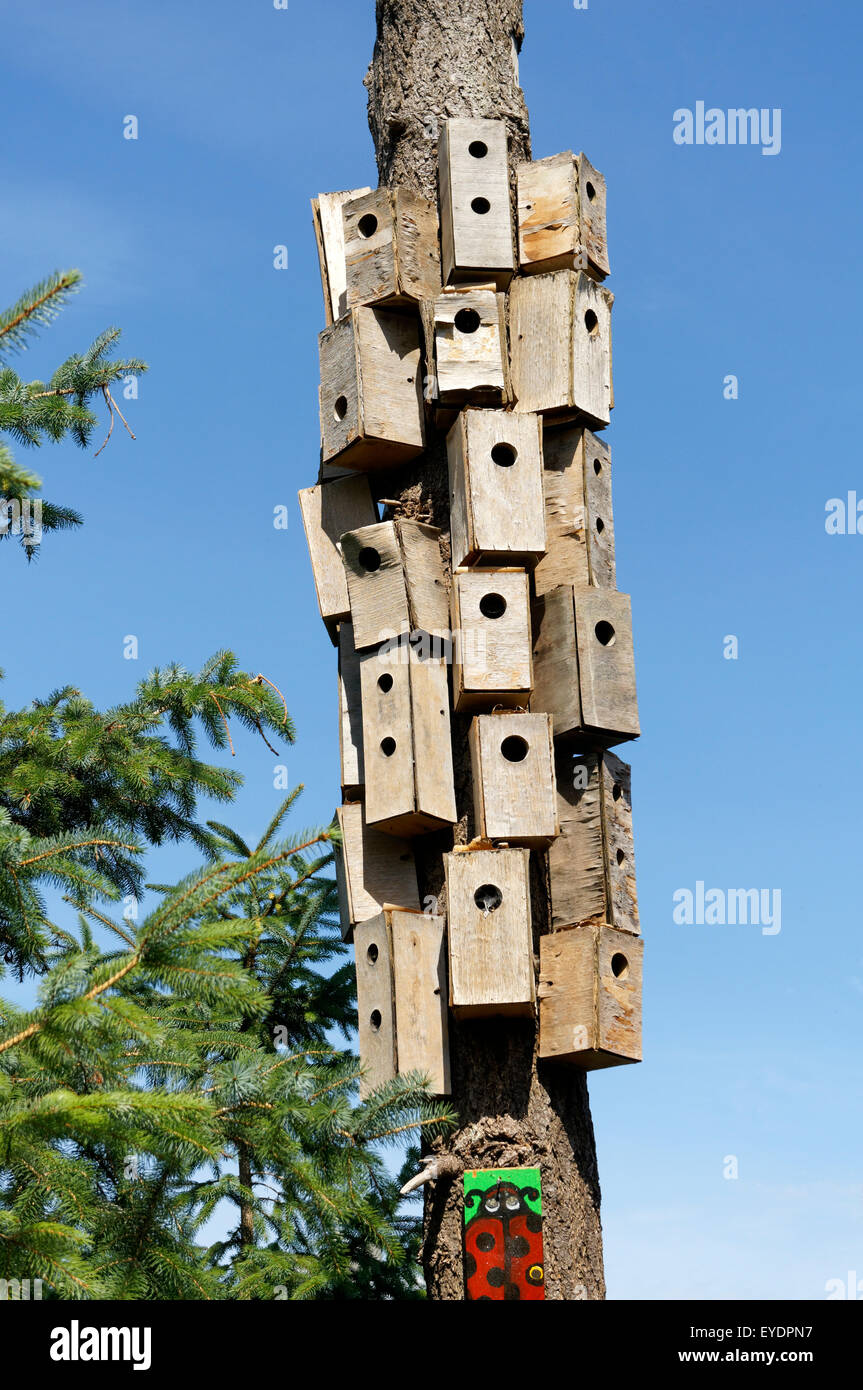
[(503, 1234)]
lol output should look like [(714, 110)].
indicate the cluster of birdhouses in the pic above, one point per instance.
[(449, 319)]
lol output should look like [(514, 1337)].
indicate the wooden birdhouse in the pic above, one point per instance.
[(590, 997), (328, 511), (407, 742), (583, 666), (402, 998), (592, 862), (329, 234), (471, 359), (579, 522), (489, 933), (497, 513), (512, 761), (492, 658), (371, 401), (392, 255), (561, 216), (395, 581), (560, 338), (350, 716), (503, 1246), (371, 869), (476, 220)]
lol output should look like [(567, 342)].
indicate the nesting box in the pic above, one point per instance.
[(329, 234), (402, 998), (489, 933), (371, 869), (407, 743), (561, 216), (512, 761), (560, 337), (476, 221), (391, 249), (497, 513), (592, 862), (492, 659), (396, 581), (503, 1248), (471, 359), (328, 511), (579, 522), (371, 402), (583, 666), (350, 716), (590, 997)]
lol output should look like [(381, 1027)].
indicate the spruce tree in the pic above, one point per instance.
[(35, 412)]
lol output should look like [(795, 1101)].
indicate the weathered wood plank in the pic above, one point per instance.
[(476, 219), (376, 1005), (512, 762), (579, 520), (420, 988), (560, 342), (392, 255), (395, 580), (471, 360), (371, 404), (562, 216), (495, 481), (329, 235), (407, 742), (350, 716), (583, 664), (592, 863), (489, 933), (371, 869), (328, 510), (492, 656), (590, 997)]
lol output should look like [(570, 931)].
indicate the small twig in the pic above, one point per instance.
[(224, 721)]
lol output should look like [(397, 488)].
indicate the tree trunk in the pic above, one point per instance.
[(433, 59)]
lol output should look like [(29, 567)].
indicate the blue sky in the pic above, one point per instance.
[(724, 261)]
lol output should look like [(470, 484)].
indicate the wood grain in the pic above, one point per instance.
[(592, 863), (562, 215), (514, 796), (492, 656), (392, 256), (590, 988), (329, 235), (421, 995), (395, 581), (560, 343), (371, 869), (497, 508), (371, 405), (376, 1010), (407, 742), (579, 521), (490, 951), (471, 362), (583, 664), (328, 510), (350, 716), (475, 244)]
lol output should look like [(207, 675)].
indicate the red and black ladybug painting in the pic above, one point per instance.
[(503, 1234)]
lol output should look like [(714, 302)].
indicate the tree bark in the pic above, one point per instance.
[(434, 59)]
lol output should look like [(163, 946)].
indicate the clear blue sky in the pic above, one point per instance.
[(724, 261)]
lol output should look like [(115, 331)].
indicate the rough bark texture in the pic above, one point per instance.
[(432, 59)]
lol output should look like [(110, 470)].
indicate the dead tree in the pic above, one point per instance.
[(436, 59)]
